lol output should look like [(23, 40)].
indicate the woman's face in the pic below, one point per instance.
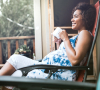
[(77, 21)]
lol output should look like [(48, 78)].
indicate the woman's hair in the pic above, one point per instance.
[(88, 13)]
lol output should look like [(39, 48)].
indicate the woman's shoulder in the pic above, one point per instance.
[(85, 32), (85, 35)]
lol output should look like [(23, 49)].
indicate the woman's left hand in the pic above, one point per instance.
[(63, 35)]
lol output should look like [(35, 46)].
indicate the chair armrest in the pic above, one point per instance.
[(25, 70), (45, 66), (27, 83)]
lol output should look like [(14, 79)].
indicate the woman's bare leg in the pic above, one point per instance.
[(7, 69)]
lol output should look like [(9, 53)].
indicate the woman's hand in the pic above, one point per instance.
[(63, 35), (56, 40)]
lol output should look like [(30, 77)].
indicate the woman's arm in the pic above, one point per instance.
[(82, 46)]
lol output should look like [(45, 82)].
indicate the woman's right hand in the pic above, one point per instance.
[(56, 40)]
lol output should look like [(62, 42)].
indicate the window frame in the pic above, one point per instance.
[(37, 27)]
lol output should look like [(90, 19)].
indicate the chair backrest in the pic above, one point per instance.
[(82, 73)]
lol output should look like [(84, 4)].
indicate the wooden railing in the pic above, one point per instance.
[(17, 44)]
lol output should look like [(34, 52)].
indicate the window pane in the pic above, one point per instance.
[(16, 19)]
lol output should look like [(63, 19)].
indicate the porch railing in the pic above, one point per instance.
[(17, 43)]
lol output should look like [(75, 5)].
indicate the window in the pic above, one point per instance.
[(17, 18)]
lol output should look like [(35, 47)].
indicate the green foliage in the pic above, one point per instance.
[(23, 49), (19, 11)]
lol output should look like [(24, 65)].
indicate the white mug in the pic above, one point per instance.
[(56, 32)]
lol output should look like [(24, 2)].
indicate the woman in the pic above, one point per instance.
[(71, 52)]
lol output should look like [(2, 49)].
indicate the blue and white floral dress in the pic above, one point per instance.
[(58, 57)]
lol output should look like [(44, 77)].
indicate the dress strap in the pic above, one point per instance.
[(90, 33)]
